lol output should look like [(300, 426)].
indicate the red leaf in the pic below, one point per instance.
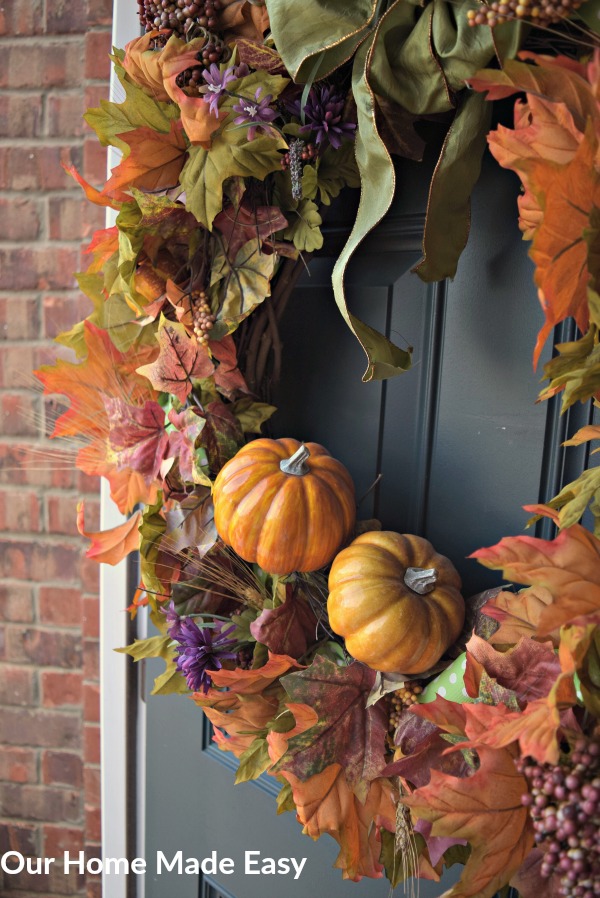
[(530, 668), (137, 438), (228, 376), (288, 629), (347, 733), (518, 614), (96, 196), (181, 358), (486, 810), (244, 223)]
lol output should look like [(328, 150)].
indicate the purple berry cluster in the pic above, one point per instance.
[(564, 803), (178, 15)]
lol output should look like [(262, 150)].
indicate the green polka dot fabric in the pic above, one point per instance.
[(449, 684)]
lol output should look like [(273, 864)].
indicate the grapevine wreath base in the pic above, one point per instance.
[(418, 728)]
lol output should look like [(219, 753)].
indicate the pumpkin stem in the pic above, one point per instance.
[(297, 463), (420, 580)]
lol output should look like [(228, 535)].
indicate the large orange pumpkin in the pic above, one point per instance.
[(286, 505), (396, 602)]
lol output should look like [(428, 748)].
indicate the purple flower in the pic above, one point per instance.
[(215, 85), (254, 112), (201, 651), (323, 114), (172, 618)]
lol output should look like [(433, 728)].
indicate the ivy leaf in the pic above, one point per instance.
[(347, 732), (336, 169), (222, 436), (180, 360), (251, 415), (305, 229), (231, 155), (245, 282), (325, 803), (243, 223), (568, 567), (259, 56), (110, 546), (486, 810), (153, 162)]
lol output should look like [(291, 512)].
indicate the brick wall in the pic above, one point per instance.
[(53, 64)]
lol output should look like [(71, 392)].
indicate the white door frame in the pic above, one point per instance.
[(114, 599)]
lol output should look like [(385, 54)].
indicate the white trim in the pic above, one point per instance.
[(113, 619)]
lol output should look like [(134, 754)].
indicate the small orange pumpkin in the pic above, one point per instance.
[(396, 602), (286, 505)]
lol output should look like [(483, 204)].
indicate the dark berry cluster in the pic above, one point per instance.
[(564, 803), (540, 12), (298, 154), (402, 699), (203, 317), (179, 15)]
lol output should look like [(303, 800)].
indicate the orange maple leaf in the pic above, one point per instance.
[(111, 546), (305, 717), (518, 614), (198, 122), (154, 161), (325, 804), (486, 810), (567, 566)]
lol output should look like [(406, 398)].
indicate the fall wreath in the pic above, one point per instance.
[(417, 729)]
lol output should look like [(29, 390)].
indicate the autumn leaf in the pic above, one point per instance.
[(243, 283), (98, 197), (222, 436), (250, 682), (154, 161), (421, 749), (529, 668), (347, 732), (228, 377), (288, 629), (241, 224), (111, 546), (258, 56), (304, 719), (181, 359), (326, 804), (568, 567), (137, 436), (486, 810), (518, 614)]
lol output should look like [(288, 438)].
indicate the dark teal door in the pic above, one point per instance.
[(458, 442)]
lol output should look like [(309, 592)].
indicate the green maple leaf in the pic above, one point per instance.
[(136, 111), (305, 229), (231, 155), (337, 169), (346, 733)]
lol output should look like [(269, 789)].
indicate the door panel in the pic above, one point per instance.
[(458, 442)]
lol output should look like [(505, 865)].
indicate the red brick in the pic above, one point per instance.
[(20, 415), (65, 17), (41, 267), (35, 167), (45, 465), (20, 17), (57, 839), (60, 606), (20, 219), (17, 685), (60, 313), (92, 95), (39, 561), (20, 511), (93, 827), (91, 780), (91, 703), (46, 648), (90, 575), (16, 602), (91, 617), (60, 689), (91, 744), (66, 218), (19, 837), (18, 765), (100, 12), (62, 514), (51, 729), (42, 64), (90, 484), (97, 61), (16, 365), (40, 803), (21, 115), (62, 768), (94, 889), (91, 660), (64, 116), (19, 318), (94, 162)]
